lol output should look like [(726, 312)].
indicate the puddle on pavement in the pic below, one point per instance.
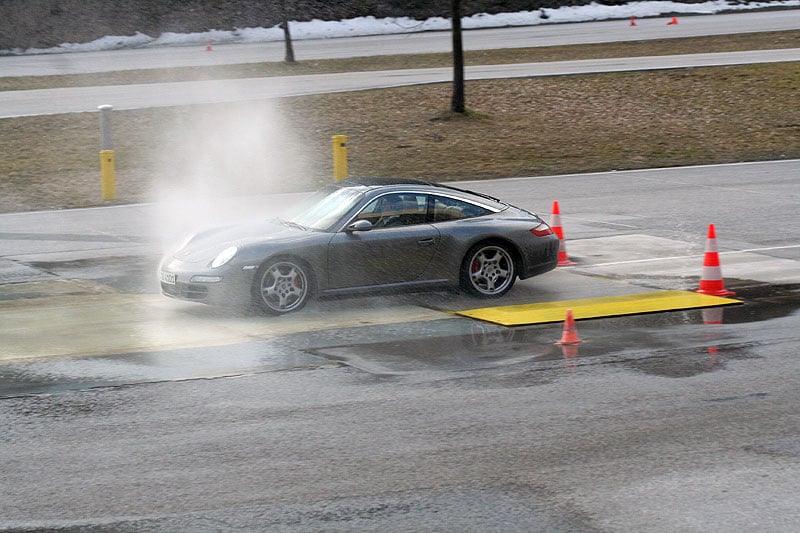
[(669, 344), (55, 375), (132, 274)]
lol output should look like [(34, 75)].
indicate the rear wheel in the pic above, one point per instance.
[(488, 270), (282, 286)]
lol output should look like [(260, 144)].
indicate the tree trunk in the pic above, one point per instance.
[(287, 36), (457, 105)]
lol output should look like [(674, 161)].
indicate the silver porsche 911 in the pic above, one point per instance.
[(363, 236)]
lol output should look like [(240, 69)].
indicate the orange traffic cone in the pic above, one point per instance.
[(633, 21), (563, 259), (673, 21), (711, 281), (569, 333), (208, 46)]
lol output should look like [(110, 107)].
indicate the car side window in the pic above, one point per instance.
[(445, 208), (396, 209)]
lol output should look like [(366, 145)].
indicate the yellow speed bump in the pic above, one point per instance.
[(607, 306)]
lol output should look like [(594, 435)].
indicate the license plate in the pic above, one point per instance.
[(167, 277)]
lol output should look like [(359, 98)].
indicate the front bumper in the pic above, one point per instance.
[(196, 292), (225, 286)]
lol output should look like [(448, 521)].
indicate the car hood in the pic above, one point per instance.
[(206, 245)]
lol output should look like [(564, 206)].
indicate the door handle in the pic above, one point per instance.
[(427, 242)]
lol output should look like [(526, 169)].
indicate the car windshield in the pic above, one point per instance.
[(323, 209)]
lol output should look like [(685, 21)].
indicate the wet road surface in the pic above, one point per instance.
[(658, 423), (679, 343), (123, 410), (80, 291)]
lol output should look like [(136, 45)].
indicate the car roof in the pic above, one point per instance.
[(374, 183), (380, 182)]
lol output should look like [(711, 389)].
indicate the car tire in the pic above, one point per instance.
[(282, 285), (488, 270)]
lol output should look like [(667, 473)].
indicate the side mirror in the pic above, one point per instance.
[(359, 225)]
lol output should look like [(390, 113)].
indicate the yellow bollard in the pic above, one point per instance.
[(106, 153), (107, 174), (339, 157)]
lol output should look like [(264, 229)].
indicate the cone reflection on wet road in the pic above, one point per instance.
[(570, 354), (712, 320)]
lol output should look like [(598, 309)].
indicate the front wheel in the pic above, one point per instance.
[(488, 270), (282, 286)]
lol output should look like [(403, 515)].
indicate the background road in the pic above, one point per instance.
[(86, 99), (752, 204), (414, 43)]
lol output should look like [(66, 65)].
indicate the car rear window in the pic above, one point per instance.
[(446, 208)]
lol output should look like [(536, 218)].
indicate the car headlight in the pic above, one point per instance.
[(224, 256)]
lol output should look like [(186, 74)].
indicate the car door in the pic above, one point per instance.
[(398, 248)]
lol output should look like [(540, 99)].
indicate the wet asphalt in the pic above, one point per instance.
[(691, 427), (99, 265), (671, 344), (392, 414)]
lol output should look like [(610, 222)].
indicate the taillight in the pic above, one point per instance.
[(542, 230)]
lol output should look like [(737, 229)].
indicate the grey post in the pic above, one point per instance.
[(106, 138)]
